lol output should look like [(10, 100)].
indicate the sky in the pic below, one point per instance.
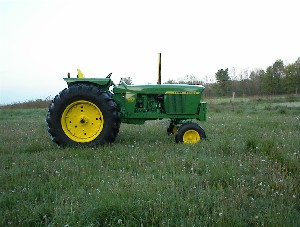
[(42, 40)]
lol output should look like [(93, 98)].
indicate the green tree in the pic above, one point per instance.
[(267, 81), (279, 74), (292, 79), (171, 81), (188, 79), (272, 79), (223, 82), (255, 78), (127, 80)]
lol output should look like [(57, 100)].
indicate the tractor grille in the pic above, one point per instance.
[(181, 104), (175, 104)]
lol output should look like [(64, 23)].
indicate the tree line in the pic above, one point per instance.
[(277, 79)]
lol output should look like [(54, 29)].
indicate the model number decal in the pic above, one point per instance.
[(182, 93)]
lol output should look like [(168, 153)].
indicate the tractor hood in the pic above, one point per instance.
[(159, 89)]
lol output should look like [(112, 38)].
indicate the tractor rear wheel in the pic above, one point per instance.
[(189, 133), (83, 114)]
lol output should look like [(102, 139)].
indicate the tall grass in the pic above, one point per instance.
[(245, 174)]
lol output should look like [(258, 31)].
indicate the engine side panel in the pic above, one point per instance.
[(148, 102)]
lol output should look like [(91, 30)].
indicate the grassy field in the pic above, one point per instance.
[(245, 174)]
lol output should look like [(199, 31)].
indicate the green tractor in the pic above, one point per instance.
[(89, 112)]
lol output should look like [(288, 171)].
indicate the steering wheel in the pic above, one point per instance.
[(109, 75)]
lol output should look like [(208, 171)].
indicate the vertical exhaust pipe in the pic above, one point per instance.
[(159, 69)]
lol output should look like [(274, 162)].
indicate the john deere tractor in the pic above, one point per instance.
[(91, 110)]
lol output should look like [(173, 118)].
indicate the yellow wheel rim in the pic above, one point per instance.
[(82, 121), (191, 136)]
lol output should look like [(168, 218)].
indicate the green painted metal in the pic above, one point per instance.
[(139, 103), (104, 83)]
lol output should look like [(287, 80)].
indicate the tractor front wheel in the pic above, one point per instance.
[(189, 133), (83, 114)]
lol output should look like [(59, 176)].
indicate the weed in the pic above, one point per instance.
[(251, 144), (282, 111)]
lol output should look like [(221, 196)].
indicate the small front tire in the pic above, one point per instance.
[(189, 133)]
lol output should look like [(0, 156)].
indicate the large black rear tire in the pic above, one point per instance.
[(83, 114)]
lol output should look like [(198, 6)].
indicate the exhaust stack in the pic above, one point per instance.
[(159, 69)]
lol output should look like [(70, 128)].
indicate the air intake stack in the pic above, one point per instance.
[(159, 69)]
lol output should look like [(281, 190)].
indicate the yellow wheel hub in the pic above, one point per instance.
[(82, 121), (191, 136)]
